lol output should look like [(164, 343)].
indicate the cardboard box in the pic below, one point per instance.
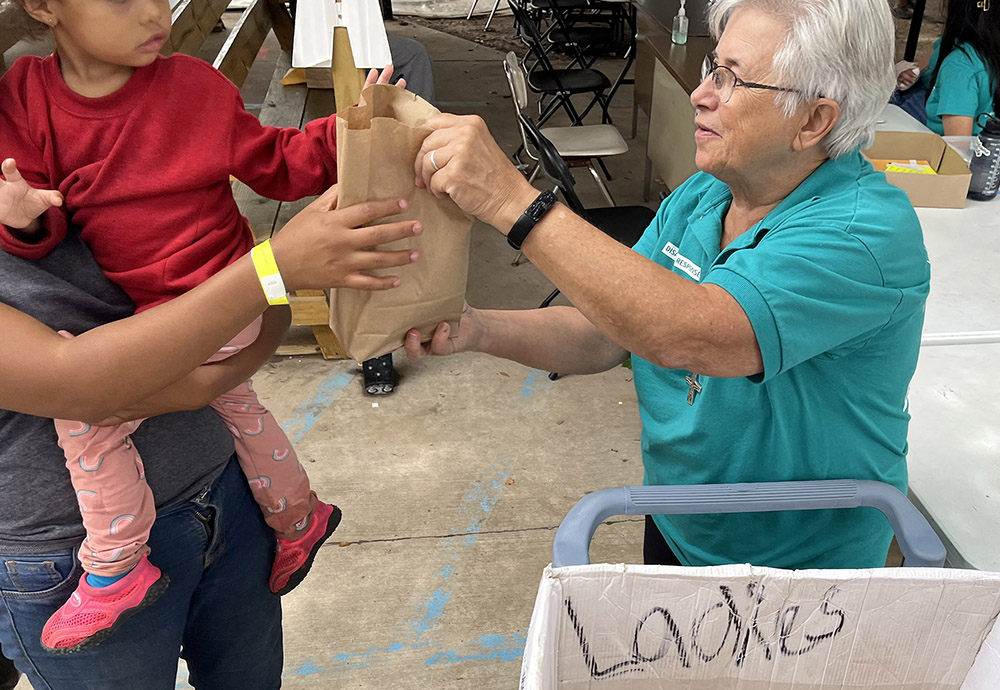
[(739, 627), (947, 189)]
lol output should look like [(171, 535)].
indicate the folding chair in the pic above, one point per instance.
[(580, 35), (624, 11), (496, 5), (578, 146), (560, 85)]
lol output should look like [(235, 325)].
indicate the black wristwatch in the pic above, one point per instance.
[(538, 208)]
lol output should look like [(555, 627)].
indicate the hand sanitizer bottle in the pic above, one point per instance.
[(679, 34)]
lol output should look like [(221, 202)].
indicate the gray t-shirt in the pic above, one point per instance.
[(182, 452)]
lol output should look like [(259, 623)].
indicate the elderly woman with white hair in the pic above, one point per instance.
[(772, 309)]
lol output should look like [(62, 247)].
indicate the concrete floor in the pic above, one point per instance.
[(452, 486)]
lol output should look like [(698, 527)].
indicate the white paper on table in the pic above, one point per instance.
[(369, 43), (315, 21)]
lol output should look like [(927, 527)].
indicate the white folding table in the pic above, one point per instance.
[(954, 398), (954, 438)]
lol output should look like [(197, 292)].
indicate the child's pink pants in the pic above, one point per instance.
[(117, 505)]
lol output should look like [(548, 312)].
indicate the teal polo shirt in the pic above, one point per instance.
[(963, 87), (834, 281)]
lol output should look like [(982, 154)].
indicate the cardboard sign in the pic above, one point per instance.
[(624, 627)]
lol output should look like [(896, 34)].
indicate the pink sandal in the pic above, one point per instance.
[(294, 557), (93, 613)]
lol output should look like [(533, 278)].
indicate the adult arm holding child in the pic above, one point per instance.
[(206, 383), (106, 370)]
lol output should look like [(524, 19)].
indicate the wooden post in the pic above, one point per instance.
[(348, 80)]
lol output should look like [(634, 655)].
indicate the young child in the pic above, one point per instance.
[(136, 151)]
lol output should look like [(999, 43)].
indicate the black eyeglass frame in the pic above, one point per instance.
[(709, 67)]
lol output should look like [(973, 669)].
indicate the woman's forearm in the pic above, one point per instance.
[(647, 309), (209, 381), (644, 307), (115, 366), (957, 125), (111, 368), (554, 339)]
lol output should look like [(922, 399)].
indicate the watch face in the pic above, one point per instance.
[(538, 208), (542, 204)]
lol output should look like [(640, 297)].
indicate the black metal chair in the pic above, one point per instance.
[(559, 85), (626, 224), (580, 34), (622, 223)]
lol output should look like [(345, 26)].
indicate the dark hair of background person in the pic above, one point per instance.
[(965, 22)]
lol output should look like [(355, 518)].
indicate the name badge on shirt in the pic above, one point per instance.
[(682, 262)]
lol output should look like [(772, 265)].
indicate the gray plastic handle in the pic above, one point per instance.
[(917, 540)]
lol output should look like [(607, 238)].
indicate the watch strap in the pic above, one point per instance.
[(534, 213)]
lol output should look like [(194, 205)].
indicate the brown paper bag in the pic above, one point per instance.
[(377, 144)]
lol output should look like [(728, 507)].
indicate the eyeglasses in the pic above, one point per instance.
[(726, 81)]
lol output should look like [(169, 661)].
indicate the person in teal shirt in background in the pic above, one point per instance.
[(772, 310), (962, 79)]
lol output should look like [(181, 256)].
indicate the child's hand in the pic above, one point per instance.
[(20, 203), (375, 78)]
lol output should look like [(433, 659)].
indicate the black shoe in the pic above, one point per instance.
[(379, 376)]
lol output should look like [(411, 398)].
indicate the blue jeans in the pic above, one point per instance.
[(217, 551), (913, 101)]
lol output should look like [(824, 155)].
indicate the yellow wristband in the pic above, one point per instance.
[(267, 272)]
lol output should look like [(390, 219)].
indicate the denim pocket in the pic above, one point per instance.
[(38, 575)]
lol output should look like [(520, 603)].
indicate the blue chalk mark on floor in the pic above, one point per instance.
[(304, 417), (307, 669), (471, 514), (484, 649), (536, 380)]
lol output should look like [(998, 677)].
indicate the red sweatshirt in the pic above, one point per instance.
[(145, 171)]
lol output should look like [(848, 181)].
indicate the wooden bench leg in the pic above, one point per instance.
[(310, 308)]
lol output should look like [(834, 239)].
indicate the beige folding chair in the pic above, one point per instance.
[(579, 146)]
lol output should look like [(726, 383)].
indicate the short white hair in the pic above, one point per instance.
[(838, 49)]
